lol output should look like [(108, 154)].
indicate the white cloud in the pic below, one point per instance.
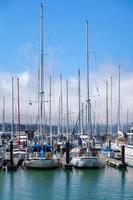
[(24, 78), (28, 91)]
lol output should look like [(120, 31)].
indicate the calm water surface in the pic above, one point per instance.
[(100, 184)]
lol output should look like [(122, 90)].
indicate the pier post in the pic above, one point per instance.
[(67, 152), (110, 144), (123, 154), (11, 152)]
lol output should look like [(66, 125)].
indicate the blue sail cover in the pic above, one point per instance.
[(107, 152), (79, 141), (106, 149), (47, 147), (38, 148), (41, 153)]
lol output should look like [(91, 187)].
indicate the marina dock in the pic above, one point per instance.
[(116, 163)]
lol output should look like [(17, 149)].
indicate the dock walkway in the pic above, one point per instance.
[(116, 163)]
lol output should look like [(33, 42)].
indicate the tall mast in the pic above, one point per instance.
[(67, 111), (111, 107), (61, 104), (90, 124), (59, 118), (94, 118), (3, 123), (79, 100), (82, 118), (50, 124), (86, 117), (107, 107), (18, 113), (88, 81), (12, 108), (44, 116), (41, 69), (118, 125), (98, 131), (38, 115), (127, 118)]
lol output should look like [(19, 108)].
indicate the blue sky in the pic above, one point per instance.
[(110, 33)]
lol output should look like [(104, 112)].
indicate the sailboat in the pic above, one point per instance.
[(41, 155), (120, 135), (120, 138), (1, 152), (88, 157), (14, 150), (129, 148)]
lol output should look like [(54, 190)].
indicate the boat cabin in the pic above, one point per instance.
[(129, 138)]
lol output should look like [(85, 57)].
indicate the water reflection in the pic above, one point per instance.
[(7, 185), (89, 180), (108, 183), (11, 185), (68, 175), (43, 183), (122, 184)]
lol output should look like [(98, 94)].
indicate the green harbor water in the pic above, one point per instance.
[(108, 183)]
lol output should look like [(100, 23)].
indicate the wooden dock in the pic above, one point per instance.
[(116, 163), (66, 165), (14, 166)]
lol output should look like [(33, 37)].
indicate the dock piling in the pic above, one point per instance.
[(67, 152), (123, 154), (11, 152)]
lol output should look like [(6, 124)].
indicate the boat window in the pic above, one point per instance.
[(130, 140)]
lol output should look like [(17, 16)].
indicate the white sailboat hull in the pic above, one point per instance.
[(41, 163), (129, 155), (88, 162)]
